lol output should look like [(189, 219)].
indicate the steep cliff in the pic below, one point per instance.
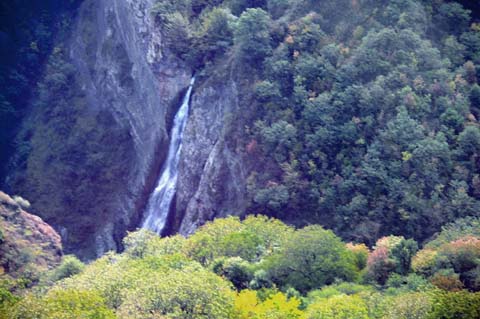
[(214, 165), (96, 135)]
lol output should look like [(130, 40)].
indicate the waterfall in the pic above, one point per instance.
[(159, 202)]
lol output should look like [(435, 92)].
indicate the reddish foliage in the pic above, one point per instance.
[(252, 146), (462, 253), (450, 283), (379, 265)]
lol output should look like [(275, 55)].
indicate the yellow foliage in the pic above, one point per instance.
[(277, 306), (338, 307), (424, 261), (245, 304)]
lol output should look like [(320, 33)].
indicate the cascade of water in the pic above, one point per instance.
[(159, 202)]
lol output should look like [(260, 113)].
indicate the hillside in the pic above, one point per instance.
[(349, 128)]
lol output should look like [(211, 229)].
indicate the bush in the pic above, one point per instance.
[(235, 269), (25, 204), (69, 267)]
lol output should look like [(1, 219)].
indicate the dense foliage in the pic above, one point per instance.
[(366, 115), (366, 122), (281, 273), (27, 35)]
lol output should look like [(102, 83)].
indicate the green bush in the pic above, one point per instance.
[(69, 267), (462, 304), (235, 269)]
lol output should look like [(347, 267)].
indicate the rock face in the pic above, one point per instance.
[(26, 242), (94, 151), (214, 165), (94, 156)]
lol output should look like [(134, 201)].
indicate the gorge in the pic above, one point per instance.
[(363, 120), (124, 87)]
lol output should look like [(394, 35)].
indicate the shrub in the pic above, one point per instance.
[(235, 269), (69, 267), (25, 204)]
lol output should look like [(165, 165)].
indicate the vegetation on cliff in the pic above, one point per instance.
[(365, 114)]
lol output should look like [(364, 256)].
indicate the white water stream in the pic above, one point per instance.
[(159, 202)]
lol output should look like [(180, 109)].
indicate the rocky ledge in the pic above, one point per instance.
[(28, 245)]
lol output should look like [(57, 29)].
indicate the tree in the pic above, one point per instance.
[(63, 304), (252, 35), (469, 141), (453, 18), (223, 238), (461, 227), (278, 306), (460, 304), (403, 254), (313, 257), (190, 293), (360, 252), (235, 269), (239, 6), (338, 307), (409, 306), (380, 265), (216, 34), (463, 255), (279, 139), (272, 232)]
